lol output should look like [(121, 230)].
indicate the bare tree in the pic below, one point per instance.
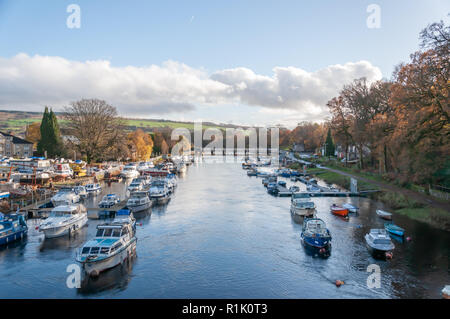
[(96, 126)]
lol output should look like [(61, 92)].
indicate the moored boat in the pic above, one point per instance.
[(379, 243), (394, 229), (252, 172), (159, 192), (12, 228), (130, 171), (93, 188), (65, 196), (135, 185), (64, 220), (81, 191), (338, 210), (351, 208), (139, 201), (383, 214), (109, 201), (113, 244), (316, 237), (302, 205)]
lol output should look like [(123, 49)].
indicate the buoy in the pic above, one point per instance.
[(339, 283), (322, 250), (408, 238), (37, 227), (389, 255)]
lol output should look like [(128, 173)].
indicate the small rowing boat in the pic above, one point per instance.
[(394, 229), (383, 214), (338, 210)]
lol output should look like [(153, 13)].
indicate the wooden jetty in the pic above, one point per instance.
[(37, 209), (339, 194)]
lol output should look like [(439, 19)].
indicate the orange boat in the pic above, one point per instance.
[(340, 211)]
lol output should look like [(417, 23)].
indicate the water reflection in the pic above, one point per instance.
[(223, 236), (116, 278)]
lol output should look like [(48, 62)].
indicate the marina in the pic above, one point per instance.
[(237, 242)]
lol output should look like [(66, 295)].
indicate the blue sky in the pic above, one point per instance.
[(209, 37)]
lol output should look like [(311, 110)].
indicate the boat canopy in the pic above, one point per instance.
[(123, 212)]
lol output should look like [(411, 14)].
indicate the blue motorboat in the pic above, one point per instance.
[(394, 229), (316, 237), (272, 188), (12, 227)]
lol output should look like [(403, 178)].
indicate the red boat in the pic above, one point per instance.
[(338, 210)]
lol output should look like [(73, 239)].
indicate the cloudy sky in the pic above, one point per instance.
[(241, 62)]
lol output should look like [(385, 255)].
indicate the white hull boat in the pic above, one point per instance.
[(65, 196), (64, 220), (113, 244)]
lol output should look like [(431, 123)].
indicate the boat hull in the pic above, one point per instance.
[(377, 253), (343, 212), (140, 208), (317, 247), (96, 267), (306, 212), (18, 235), (69, 229), (160, 200)]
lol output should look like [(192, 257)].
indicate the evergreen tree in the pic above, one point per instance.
[(50, 136), (329, 145), (44, 141), (57, 145)]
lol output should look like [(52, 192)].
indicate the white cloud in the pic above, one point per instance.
[(34, 81)]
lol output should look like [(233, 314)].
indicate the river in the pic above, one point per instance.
[(223, 236)]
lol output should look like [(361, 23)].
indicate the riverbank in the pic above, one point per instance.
[(413, 204)]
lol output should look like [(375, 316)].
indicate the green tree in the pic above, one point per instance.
[(329, 145), (50, 136)]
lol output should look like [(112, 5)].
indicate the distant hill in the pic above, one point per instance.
[(16, 122)]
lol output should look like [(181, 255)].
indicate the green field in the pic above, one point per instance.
[(16, 121)]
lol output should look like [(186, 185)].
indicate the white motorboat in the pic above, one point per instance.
[(351, 208), (109, 201), (93, 188), (378, 242), (64, 220), (135, 185), (62, 170), (139, 201), (302, 205), (130, 171), (65, 196), (159, 192), (81, 190), (113, 244)]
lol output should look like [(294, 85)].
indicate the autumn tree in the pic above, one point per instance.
[(96, 126), (33, 133), (142, 144)]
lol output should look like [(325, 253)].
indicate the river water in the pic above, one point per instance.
[(223, 236)]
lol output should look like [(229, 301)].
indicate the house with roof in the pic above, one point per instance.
[(13, 146)]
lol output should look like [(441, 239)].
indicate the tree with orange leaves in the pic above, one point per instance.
[(142, 145)]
